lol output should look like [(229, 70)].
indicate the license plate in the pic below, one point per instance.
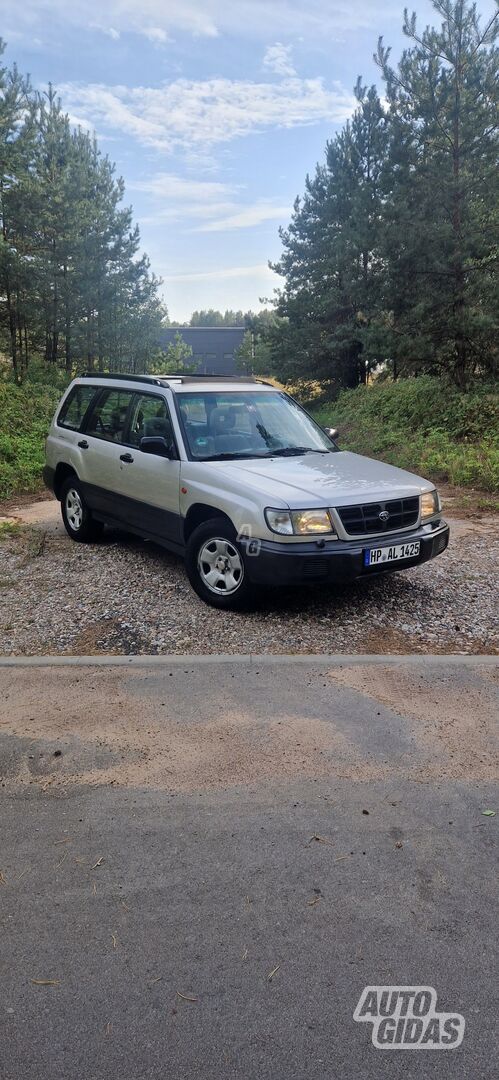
[(379, 556)]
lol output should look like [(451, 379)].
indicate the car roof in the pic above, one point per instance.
[(179, 382)]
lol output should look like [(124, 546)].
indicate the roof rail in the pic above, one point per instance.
[(123, 375), (159, 379)]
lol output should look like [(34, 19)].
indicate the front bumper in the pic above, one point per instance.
[(272, 563)]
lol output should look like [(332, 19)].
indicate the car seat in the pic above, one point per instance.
[(222, 422), (158, 427)]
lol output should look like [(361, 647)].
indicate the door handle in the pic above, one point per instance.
[(126, 457), (83, 444)]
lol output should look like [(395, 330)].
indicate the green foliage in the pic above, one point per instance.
[(254, 355), (390, 259), (423, 425), (174, 358), (211, 317), (74, 289), (8, 529), (25, 415)]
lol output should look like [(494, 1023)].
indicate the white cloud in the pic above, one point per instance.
[(224, 274), (257, 19), (175, 198), (249, 216), (165, 185), (194, 116), (278, 59), (155, 34)]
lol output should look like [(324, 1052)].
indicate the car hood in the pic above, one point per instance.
[(323, 479)]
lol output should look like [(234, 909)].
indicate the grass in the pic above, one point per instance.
[(423, 425), (8, 529), (25, 415)]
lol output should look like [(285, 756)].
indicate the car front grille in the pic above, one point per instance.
[(360, 520)]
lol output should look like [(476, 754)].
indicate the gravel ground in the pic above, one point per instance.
[(128, 596)]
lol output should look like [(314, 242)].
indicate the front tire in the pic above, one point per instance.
[(77, 518), (216, 568)]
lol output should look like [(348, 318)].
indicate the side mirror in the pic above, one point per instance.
[(157, 444), (332, 432)]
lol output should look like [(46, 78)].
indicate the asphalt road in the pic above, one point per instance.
[(264, 837)]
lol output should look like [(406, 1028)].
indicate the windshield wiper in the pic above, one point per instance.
[(227, 457), (293, 451)]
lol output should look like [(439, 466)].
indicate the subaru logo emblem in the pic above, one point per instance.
[(383, 515)]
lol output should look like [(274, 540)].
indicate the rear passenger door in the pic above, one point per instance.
[(104, 433), (150, 482)]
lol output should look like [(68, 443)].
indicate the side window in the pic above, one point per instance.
[(150, 418), (109, 415), (75, 407)]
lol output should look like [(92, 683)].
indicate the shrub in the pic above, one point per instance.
[(25, 415), (423, 425)]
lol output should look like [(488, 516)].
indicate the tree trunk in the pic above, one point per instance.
[(12, 333), (459, 277), (67, 325)]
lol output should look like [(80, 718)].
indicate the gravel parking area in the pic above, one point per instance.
[(127, 596)]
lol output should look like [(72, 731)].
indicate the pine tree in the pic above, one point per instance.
[(16, 150), (442, 193), (74, 289), (333, 292)]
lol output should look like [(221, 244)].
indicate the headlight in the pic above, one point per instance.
[(311, 521), (430, 504), (299, 522)]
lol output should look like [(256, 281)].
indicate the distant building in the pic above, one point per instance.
[(214, 348)]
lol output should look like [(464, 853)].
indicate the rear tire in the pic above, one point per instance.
[(216, 567), (77, 518)]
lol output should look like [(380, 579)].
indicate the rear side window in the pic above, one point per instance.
[(75, 407)]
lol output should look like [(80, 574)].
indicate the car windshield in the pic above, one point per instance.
[(248, 424)]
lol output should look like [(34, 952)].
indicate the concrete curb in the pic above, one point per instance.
[(251, 659)]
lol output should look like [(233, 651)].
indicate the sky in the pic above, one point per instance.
[(213, 110)]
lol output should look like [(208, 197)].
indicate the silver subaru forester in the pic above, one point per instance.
[(235, 476)]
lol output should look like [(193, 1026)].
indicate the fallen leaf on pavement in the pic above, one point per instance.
[(488, 813)]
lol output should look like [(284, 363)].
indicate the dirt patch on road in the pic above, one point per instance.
[(176, 732), (110, 731), (457, 725)]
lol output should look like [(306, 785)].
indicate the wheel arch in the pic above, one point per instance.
[(200, 512), (62, 472)]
